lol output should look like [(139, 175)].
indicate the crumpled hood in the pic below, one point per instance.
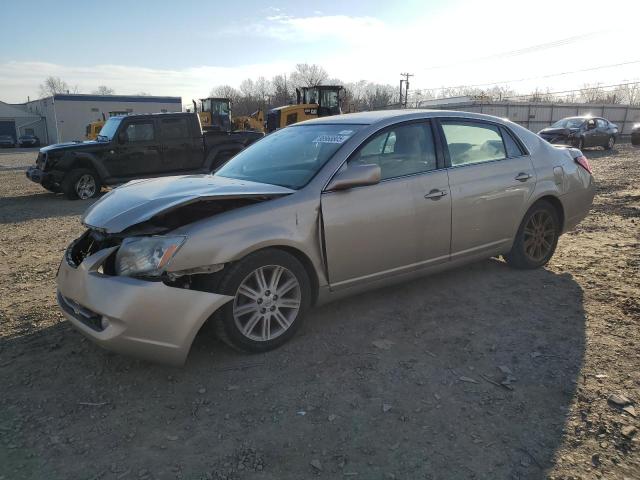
[(557, 131), (140, 200)]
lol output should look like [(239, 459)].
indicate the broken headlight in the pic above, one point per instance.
[(146, 256)]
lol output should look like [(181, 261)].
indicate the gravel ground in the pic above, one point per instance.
[(481, 372)]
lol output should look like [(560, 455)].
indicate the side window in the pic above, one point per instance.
[(292, 118), (600, 123), (172, 128), (399, 151), (513, 149), (140, 132), (472, 142)]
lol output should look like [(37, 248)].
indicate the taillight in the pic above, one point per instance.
[(584, 163)]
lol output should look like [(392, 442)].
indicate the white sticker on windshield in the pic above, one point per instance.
[(331, 139), (345, 132)]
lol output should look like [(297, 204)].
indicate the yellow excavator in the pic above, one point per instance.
[(214, 113), (311, 102), (254, 122)]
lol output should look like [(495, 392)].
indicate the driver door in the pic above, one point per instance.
[(375, 231)]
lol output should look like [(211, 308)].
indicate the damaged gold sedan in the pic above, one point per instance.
[(310, 213)]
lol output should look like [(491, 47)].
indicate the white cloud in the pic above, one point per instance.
[(19, 79)]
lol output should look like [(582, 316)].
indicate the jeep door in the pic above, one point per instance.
[(140, 154), (181, 148)]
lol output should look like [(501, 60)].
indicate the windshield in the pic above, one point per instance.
[(289, 157), (569, 123), (220, 107), (109, 130), (329, 98)]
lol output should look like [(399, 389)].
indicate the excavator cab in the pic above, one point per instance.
[(312, 102), (327, 97), (215, 113)]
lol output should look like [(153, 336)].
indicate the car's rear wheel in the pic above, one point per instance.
[(271, 292), (610, 143), (537, 237), (81, 183)]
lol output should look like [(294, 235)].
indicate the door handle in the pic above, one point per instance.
[(435, 194), (523, 177)]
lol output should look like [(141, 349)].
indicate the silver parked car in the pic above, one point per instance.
[(313, 212)]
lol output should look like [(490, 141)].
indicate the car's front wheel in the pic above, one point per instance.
[(81, 183), (271, 292), (537, 237)]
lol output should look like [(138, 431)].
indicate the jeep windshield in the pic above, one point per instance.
[(109, 129), (290, 157)]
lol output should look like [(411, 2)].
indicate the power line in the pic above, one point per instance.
[(576, 90), (525, 50), (539, 77)]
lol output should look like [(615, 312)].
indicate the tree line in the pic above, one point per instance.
[(253, 94)]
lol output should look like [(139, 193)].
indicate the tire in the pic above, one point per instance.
[(611, 142), (82, 184), (51, 188), (537, 237), (249, 326)]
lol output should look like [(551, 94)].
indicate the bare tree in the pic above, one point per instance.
[(307, 75), (52, 86), (104, 90), (282, 91), (225, 91)]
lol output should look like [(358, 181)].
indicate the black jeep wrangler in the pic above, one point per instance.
[(136, 146)]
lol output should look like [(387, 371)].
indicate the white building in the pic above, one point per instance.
[(64, 117), (16, 121)]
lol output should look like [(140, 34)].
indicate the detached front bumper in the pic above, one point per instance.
[(135, 317)]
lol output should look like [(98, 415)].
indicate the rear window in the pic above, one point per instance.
[(171, 128), (472, 142), (513, 148)]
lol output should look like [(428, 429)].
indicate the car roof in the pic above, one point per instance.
[(378, 116)]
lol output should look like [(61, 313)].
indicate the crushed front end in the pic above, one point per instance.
[(152, 318)]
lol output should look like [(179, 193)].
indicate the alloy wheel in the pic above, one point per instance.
[(267, 303), (611, 143), (86, 186), (539, 233)]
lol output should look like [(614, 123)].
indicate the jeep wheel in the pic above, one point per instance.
[(81, 183)]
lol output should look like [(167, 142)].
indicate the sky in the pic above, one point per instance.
[(188, 47)]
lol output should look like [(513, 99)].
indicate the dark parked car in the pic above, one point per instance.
[(28, 141), (582, 132), (635, 135), (7, 141), (136, 146)]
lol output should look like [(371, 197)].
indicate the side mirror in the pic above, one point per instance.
[(355, 176), (122, 137)]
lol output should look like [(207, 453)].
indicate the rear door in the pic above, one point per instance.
[(180, 150), (380, 230), (491, 177)]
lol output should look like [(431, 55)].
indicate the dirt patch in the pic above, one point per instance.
[(481, 372)]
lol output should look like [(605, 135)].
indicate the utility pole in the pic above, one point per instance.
[(406, 88)]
